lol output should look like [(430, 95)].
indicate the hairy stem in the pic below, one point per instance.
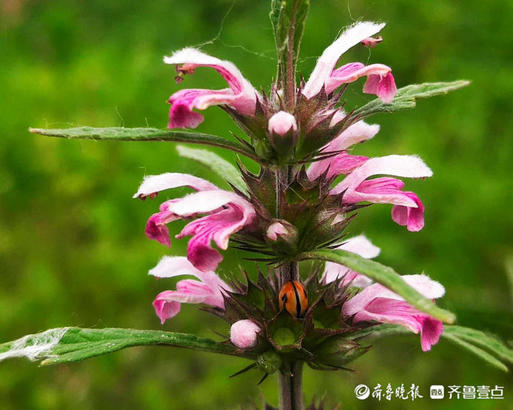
[(290, 70), (291, 386), (283, 176)]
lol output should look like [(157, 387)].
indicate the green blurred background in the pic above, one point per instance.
[(72, 244)]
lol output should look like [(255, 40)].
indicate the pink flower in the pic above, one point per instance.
[(225, 214), (359, 245), (377, 303), (408, 209), (343, 163), (208, 289), (379, 77), (244, 334), (281, 123), (240, 95)]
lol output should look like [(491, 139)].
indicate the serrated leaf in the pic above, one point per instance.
[(71, 344), (484, 346), (406, 97), (217, 164), (144, 134), (384, 275)]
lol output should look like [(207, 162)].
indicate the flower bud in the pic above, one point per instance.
[(337, 351), (243, 334), (282, 128), (282, 236), (281, 230), (281, 123)]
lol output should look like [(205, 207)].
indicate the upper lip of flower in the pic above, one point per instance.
[(241, 95), (326, 63), (227, 213)]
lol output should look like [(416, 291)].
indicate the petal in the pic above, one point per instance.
[(382, 85), (401, 313), (339, 164), (421, 283), (156, 229), (390, 311), (171, 266), (361, 246), (244, 334), (380, 191), (354, 134), (218, 227), (426, 286), (155, 183), (409, 166), (165, 306), (156, 226), (411, 217), (167, 303), (182, 102), (241, 95), (193, 58), (430, 332), (327, 61), (208, 201), (353, 71), (194, 289)]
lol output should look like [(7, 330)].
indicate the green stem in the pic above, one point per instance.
[(291, 390)]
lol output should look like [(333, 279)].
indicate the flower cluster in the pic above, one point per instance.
[(324, 185)]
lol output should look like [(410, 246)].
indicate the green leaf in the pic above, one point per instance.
[(487, 357), (145, 134), (217, 164), (406, 97), (486, 341), (484, 346), (71, 344), (384, 275)]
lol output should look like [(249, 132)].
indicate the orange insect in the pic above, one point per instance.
[(293, 298)]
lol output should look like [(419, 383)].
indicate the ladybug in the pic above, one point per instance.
[(293, 298)]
